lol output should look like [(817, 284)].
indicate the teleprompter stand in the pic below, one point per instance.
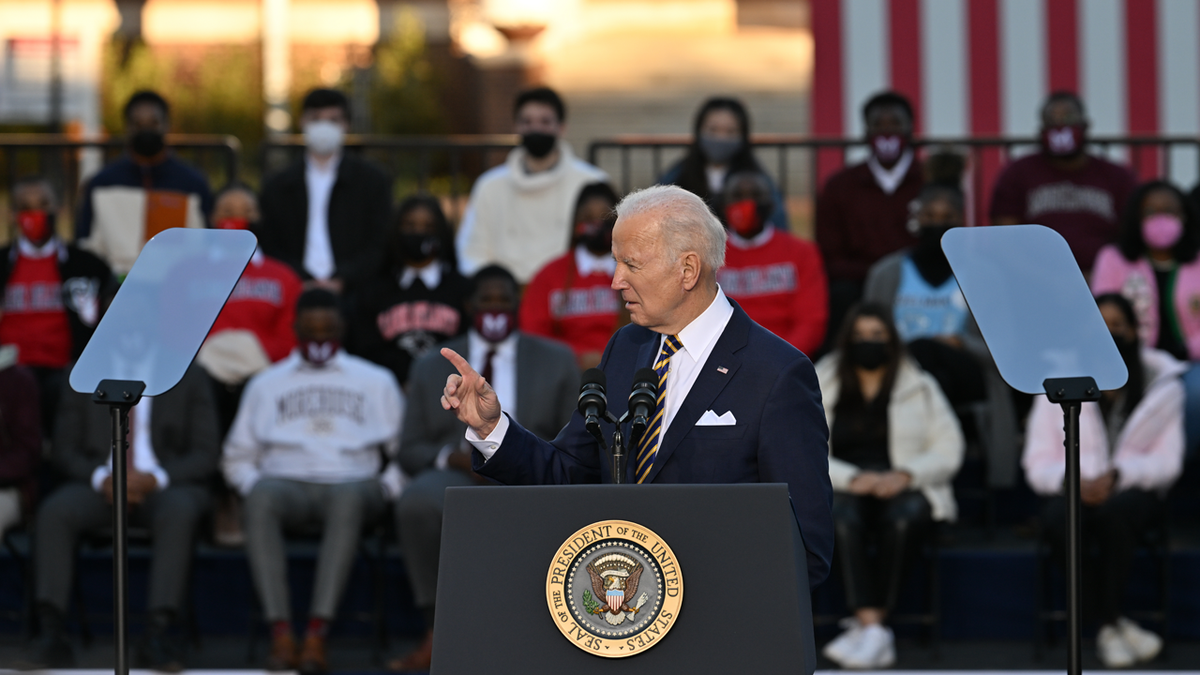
[(1043, 329), (142, 347)]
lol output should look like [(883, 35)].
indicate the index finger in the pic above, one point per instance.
[(458, 362)]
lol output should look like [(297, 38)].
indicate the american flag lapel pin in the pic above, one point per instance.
[(723, 370)]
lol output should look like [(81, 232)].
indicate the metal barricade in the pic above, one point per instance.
[(445, 166)]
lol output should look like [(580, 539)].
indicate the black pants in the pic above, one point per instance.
[(894, 528), (50, 383), (955, 370), (1111, 531)]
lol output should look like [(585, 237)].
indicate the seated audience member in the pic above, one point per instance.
[(143, 192), (894, 448), (721, 147), (20, 439), (1078, 195), (172, 455), (539, 383), (51, 293), (326, 214), (1155, 266), (777, 278), (254, 329), (516, 215), (416, 300), (1130, 452), (863, 211), (306, 451), (572, 299)]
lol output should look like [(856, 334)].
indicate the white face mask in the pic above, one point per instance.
[(323, 137)]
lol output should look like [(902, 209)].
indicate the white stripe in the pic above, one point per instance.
[(1102, 67), (944, 68), (1023, 66), (1179, 83), (865, 60)]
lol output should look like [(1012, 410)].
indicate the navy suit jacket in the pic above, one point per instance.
[(780, 435)]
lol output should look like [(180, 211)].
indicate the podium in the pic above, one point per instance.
[(735, 549)]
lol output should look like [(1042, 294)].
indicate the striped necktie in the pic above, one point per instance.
[(648, 447)]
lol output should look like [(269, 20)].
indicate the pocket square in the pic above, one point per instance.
[(711, 419)]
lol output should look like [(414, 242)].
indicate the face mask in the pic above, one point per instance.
[(888, 148), (1127, 348), (35, 226), (495, 326), (868, 355), (147, 143), (1063, 141), (232, 224), (538, 144), (595, 236), (719, 150), (418, 247), (1162, 230), (319, 353), (745, 217), (323, 137)]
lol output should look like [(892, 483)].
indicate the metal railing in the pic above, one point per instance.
[(792, 160), (446, 166), (67, 161)]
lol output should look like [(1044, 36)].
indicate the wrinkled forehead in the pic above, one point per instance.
[(638, 235)]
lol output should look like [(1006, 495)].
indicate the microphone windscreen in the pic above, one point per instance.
[(647, 376), (594, 376)]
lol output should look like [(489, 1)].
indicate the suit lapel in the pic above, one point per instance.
[(708, 385)]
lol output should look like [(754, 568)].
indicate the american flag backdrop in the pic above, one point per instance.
[(983, 67)]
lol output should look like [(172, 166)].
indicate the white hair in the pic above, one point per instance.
[(686, 222)]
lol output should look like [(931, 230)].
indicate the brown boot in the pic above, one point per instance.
[(417, 660), (283, 653), (312, 656)]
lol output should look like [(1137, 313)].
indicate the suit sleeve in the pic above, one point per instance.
[(83, 220), (422, 436), (378, 211), (69, 450), (272, 228), (794, 449), (199, 457), (830, 234)]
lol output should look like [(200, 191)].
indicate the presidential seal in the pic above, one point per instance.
[(614, 589)]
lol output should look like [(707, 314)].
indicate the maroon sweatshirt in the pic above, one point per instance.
[(858, 223)]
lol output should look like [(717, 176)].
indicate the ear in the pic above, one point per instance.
[(690, 266)]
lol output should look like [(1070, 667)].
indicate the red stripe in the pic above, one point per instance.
[(1062, 44), (905, 39), (1141, 77), (983, 33), (827, 81)]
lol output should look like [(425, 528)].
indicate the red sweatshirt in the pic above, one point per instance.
[(560, 304), (264, 301), (33, 317), (780, 282)]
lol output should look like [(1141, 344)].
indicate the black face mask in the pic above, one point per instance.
[(868, 355), (412, 248), (538, 144), (928, 255), (147, 143)]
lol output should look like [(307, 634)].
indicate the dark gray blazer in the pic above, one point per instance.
[(183, 432), (547, 392)]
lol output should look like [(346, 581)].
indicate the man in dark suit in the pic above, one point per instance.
[(737, 404), (174, 448), (326, 214), (540, 383)]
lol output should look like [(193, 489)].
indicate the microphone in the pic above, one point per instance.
[(642, 400), (593, 403)]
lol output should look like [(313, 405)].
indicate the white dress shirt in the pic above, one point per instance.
[(144, 459), (318, 252), (889, 180), (430, 275), (697, 340)]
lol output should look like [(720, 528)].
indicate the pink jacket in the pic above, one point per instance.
[(1148, 453), (1112, 273)]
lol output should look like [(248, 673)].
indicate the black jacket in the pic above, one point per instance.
[(85, 280), (359, 210)]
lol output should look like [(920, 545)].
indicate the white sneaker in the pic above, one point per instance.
[(1145, 644), (1112, 648), (876, 649), (844, 645)]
